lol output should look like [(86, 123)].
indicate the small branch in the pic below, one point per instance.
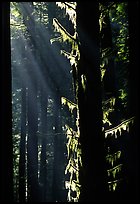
[(18, 25), (67, 4), (118, 126), (64, 30), (113, 155), (115, 181), (116, 167)]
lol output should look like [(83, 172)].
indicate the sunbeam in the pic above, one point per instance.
[(40, 70), (73, 100)]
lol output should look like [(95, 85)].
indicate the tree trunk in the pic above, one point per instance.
[(43, 163), (92, 174), (32, 144), (22, 160), (58, 152), (109, 79), (6, 148), (133, 102)]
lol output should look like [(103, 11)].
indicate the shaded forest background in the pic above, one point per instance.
[(71, 73)]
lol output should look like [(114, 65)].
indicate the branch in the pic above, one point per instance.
[(116, 167), (18, 25), (64, 30), (118, 127), (70, 6), (115, 181)]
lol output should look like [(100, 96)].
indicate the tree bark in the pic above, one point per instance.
[(6, 147), (58, 152), (133, 102), (92, 174)]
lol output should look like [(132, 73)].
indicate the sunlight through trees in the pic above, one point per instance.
[(69, 104)]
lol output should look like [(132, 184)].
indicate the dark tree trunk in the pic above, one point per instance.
[(22, 160), (133, 103), (58, 153), (109, 81), (92, 174), (6, 149)]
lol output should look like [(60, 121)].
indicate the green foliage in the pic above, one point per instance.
[(16, 125), (120, 36), (16, 21), (119, 20), (114, 22)]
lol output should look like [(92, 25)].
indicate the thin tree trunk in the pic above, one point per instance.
[(6, 148), (22, 160), (32, 144), (43, 163), (56, 186)]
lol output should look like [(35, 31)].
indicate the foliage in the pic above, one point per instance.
[(119, 53), (16, 125), (120, 36), (114, 15)]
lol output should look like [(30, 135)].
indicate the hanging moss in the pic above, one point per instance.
[(122, 126), (73, 144)]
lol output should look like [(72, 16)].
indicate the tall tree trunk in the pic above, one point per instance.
[(109, 84), (56, 186), (32, 144), (22, 160), (133, 103), (92, 174), (6, 149), (43, 163)]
